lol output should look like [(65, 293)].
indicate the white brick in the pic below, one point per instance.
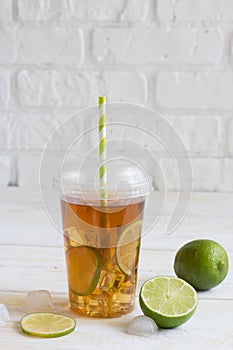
[(8, 45), (31, 131), (231, 50), (110, 10), (182, 90), (5, 173), (41, 45), (202, 135), (57, 88), (4, 129), (134, 10), (4, 87), (35, 88), (41, 10), (5, 12), (230, 139), (212, 174), (153, 44), (227, 180), (53, 45), (76, 89), (165, 10), (29, 169), (165, 175), (126, 10), (207, 174), (125, 87), (195, 10), (71, 89)]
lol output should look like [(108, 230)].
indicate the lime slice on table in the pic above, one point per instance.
[(46, 324), (169, 301), (127, 247), (83, 267)]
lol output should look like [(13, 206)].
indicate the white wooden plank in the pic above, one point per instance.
[(23, 221), (30, 268), (33, 230), (220, 230), (203, 331), (202, 203), (40, 264)]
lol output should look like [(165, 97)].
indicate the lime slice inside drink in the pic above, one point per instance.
[(83, 266), (46, 324), (74, 236), (127, 248), (169, 301)]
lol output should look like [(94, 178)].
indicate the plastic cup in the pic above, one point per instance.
[(102, 238)]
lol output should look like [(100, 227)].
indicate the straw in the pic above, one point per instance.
[(102, 148)]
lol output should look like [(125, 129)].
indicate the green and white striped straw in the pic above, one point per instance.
[(102, 148)]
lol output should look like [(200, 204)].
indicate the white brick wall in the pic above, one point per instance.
[(203, 135), (6, 10), (84, 10), (195, 10), (161, 44), (49, 45), (65, 88), (5, 87), (174, 56), (5, 166), (51, 88), (230, 139), (196, 90)]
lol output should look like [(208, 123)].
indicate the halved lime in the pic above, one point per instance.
[(47, 324), (128, 247), (83, 268), (169, 301)]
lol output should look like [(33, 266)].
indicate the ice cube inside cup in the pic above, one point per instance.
[(39, 301)]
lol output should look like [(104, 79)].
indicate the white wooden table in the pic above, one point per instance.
[(31, 258)]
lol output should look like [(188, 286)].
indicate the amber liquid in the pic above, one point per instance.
[(86, 225)]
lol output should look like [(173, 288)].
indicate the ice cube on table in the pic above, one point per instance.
[(4, 314), (142, 325), (39, 300)]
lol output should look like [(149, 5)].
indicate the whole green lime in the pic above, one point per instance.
[(203, 263)]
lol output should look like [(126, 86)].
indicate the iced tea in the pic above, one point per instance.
[(102, 246)]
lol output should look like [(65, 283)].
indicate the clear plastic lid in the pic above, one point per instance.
[(125, 179)]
